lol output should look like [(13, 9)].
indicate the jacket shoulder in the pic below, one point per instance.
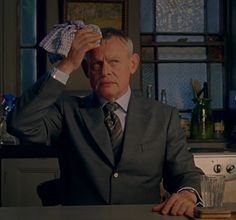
[(68, 98), (152, 103)]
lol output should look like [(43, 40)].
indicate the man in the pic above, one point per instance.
[(152, 145)]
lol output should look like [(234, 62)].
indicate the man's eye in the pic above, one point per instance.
[(95, 66), (113, 62)]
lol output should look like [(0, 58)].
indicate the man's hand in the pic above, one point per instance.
[(85, 39), (181, 203)]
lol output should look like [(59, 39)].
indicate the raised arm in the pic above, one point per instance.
[(38, 112)]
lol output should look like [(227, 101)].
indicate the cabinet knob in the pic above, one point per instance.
[(230, 168), (217, 168)]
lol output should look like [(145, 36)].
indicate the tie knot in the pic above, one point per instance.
[(111, 106)]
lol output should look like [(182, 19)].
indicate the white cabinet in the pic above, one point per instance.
[(20, 178)]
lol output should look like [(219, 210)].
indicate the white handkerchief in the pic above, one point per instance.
[(58, 41)]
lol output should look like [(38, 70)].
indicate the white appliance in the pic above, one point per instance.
[(222, 163)]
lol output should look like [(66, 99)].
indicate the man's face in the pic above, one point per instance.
[(111, 67)]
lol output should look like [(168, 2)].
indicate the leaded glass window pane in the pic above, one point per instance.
[(148, 80), (176, 78), (28, 22), (28, 68), (148, 53), (213, 18), (179, 15), (146, 15), (182, 53), (216, 82)]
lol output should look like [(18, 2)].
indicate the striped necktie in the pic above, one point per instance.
[(114, 128)]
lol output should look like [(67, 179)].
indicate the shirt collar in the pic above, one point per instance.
[(123, 101)]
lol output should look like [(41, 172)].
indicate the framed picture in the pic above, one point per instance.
[(104, 13)]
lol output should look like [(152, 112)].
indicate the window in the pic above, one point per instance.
[(32, 28), (180, 41)]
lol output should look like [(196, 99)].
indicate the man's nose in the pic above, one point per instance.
[(105, 68)]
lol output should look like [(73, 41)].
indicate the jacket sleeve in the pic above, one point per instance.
[(179, 168), (36, 116)]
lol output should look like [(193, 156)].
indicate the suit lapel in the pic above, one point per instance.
[(137, 121), (94, 119)]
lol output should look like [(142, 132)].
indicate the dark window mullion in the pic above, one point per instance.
[(155, 51), (41, 32)]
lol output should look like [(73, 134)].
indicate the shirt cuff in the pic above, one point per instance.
[(199, 198), (59, 75)]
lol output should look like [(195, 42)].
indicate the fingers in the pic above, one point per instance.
[(170, 204), (176, 205), (86, 39), (159, 207), (182, 207)]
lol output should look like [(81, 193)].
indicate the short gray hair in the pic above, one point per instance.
[(108, 33)]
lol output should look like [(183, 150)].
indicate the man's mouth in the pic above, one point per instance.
[(106, 83)]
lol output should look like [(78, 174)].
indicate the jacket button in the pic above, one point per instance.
[(116, 175)]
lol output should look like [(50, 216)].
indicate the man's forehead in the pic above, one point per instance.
[(110, 43), (111, 48)]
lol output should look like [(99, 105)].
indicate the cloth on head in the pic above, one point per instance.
[(58, 42)]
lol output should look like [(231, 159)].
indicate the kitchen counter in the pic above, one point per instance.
[(109, 212)]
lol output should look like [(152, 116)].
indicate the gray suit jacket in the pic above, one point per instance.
[(154, 146)]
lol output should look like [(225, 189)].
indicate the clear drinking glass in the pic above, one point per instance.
[(212, 190)]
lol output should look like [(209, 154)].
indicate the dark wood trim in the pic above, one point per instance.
[(41, 32)]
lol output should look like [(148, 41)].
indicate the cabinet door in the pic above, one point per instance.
[(20, 178)]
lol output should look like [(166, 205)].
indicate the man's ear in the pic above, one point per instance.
[(135, 59), (85, 67)]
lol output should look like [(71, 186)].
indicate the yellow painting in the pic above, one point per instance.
[(103, 14)]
